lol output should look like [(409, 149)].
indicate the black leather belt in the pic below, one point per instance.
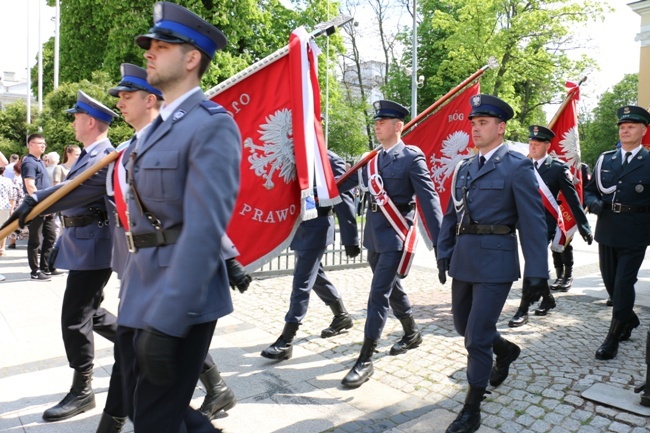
[(477, 229), (623, 208), (81, 221), (149, 240), (325, 211), (374, 207)]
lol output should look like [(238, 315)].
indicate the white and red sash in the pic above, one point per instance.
[(552, 207), (120, 187), (406, 233)]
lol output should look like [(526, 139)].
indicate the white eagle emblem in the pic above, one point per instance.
[(570, 145), (276, 154), (454, 149)]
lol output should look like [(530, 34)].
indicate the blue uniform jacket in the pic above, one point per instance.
[(631, 187), (503, 192), (88, 247), (555, 175), (187, 174), (405, 175), (318, 233)]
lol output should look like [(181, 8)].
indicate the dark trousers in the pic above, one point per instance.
[(81, 314), (166, 409), (115, 395), (46, 226), (307, 275), (564, 259), (385, 291), (476, 308), (619, 267)]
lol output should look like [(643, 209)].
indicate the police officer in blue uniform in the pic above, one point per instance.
[(557, 178), (309, 243), (619, 193), (403, 171), (85, 249), (493, 192), (184, 179)]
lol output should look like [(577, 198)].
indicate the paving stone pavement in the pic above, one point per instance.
[(421, 391)]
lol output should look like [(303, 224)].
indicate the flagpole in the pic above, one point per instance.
[(61, 192), (327, 28), (566, 101), (492, 63)]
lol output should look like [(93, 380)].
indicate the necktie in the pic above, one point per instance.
[(481, 162), (537, 165), (627, 158), (82, 154)]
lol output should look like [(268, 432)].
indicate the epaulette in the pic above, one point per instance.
[(516, 154), (610, 151), (212, 107)]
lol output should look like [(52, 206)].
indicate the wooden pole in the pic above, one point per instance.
[(364, 160), (445, 98), (67, 187), (566, 101)]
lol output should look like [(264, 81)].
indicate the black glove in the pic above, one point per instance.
[(443, 267), (533, 289), (156, 354), (352, 250), (596, 207), (588, 237), (21, 213), (237, 276)]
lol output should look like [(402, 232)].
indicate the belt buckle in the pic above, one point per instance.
[(129, 242), (617, 207), (374, 206)]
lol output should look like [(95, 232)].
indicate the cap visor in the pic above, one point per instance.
[(144, 41), (115, 91)]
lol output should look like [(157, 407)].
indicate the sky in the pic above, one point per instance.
[(613, 43)]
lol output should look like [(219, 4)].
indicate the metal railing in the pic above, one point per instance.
[(334, 257)]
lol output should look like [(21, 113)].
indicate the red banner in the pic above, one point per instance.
[(445, 139), (277, 167), (566, 147)]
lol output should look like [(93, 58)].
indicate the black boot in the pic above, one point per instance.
[(411, 339), (218, 395), (110, 424), (559, 273), (567, 281), (469, 418), (630, 324), (282, 348), (609, 348), (80, 399), (341, 321), (520, 318), (547, 303), (363, 368), (506, 353)]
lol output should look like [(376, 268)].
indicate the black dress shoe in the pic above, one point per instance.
[(565, 285), (501, 366), (556, 284), (519, 319), (545, 306), (609, 302)]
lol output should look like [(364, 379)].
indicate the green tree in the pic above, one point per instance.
[(599, 132), (56, 124), (14, 128), (530, 41)]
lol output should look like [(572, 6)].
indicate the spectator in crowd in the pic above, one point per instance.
[(70, 156), (9, 169)]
